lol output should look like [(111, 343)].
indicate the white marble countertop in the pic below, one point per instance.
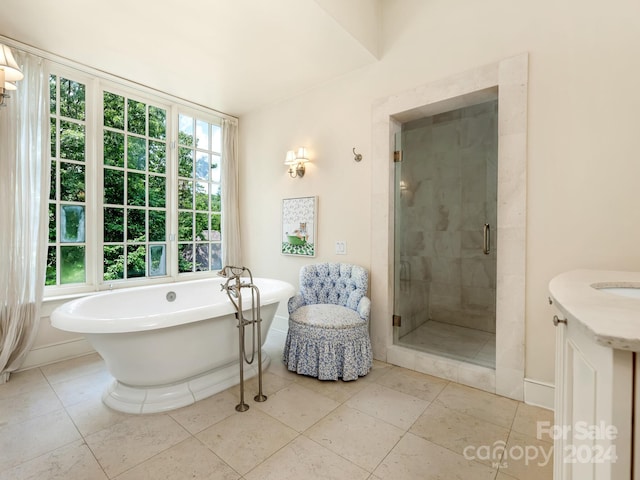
[(613, 320)]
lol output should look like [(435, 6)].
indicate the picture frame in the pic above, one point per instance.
[(299, 226)]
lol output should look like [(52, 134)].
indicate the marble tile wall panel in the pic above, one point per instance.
[(450, 172)]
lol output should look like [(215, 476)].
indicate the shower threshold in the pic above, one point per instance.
[(452, 341)]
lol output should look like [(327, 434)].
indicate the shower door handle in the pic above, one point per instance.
[(486, 244)]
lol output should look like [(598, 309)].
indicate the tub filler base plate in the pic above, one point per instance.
[(154, 399)]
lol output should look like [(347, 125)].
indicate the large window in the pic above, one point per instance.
[(135, 187)]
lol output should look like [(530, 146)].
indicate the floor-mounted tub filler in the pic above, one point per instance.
[(168, 346)]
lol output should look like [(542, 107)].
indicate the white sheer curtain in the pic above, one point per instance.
[(231, 251), (24, 187)]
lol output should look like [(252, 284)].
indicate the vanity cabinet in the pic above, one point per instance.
[(593, 407), (596, 370)]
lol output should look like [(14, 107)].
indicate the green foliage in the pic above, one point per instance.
[(113, 143), (136, 261), (157, 156), (136, 117), (72, 182), (51, 266), (136, 153), (136, 189), (52, 94), (72, 264), (113, 262), (113, 224), (113, 187), (157, 122), (72, 141), (113, 110), (72, 99)]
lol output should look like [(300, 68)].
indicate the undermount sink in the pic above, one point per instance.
[(632, 292)]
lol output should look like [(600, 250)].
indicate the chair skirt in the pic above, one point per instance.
[(328, 353)]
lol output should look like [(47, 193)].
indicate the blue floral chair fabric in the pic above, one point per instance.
[(328, 334)]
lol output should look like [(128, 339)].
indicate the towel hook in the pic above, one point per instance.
[(356, 156)]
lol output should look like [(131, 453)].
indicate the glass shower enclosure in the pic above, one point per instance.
[(445, 244)]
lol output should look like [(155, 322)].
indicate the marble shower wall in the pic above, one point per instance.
[(449, 175)]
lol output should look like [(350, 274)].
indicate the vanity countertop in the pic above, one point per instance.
[(613, 320)]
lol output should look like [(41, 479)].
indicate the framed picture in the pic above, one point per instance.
[(299, 226)]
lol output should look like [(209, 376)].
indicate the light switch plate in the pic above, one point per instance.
[(341, 247)]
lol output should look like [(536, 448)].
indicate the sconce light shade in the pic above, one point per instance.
[(296, 161), (9, 65), (301, 156), (290, 158), (9, 72)]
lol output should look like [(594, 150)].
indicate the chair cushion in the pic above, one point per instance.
[(326, 315)]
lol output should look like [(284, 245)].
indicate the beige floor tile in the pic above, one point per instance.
[(91, 415), (337, 390), (206, 412), (305, 459), (34, 437), (21, 407), (246, 439), (483, 405), (271, 383), (504, 476), (277, 367), (378, 370), (347, 429), (138, 438), (188, 459), (23, 383), (413, 383), (534, 422), (415, 458), (357, 436), (74, 368), (297, 406), (71, 462), (527, 458), (393, 407), (461, 433), (82, 388)]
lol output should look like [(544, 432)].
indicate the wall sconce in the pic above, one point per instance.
[(9, 72), (296, 161)]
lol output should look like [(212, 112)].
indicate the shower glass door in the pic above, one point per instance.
[(445, 204)]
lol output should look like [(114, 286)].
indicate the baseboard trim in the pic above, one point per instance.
[(539, 394), (56, 352)]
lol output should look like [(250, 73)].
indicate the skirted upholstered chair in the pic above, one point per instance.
[(328, 334)]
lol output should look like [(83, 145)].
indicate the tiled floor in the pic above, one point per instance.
[(392, 424), (453, 341)]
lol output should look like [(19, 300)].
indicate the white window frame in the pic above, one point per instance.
[(96, 83)]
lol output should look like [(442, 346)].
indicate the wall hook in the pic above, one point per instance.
[(356, 156)]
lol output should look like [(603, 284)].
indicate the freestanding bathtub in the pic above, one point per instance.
[(169, 345)]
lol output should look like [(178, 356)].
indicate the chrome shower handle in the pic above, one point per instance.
[(486, 244)]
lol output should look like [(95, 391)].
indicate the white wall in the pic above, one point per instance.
[(582, 156)]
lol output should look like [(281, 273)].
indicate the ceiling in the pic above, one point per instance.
[(230, 55)]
